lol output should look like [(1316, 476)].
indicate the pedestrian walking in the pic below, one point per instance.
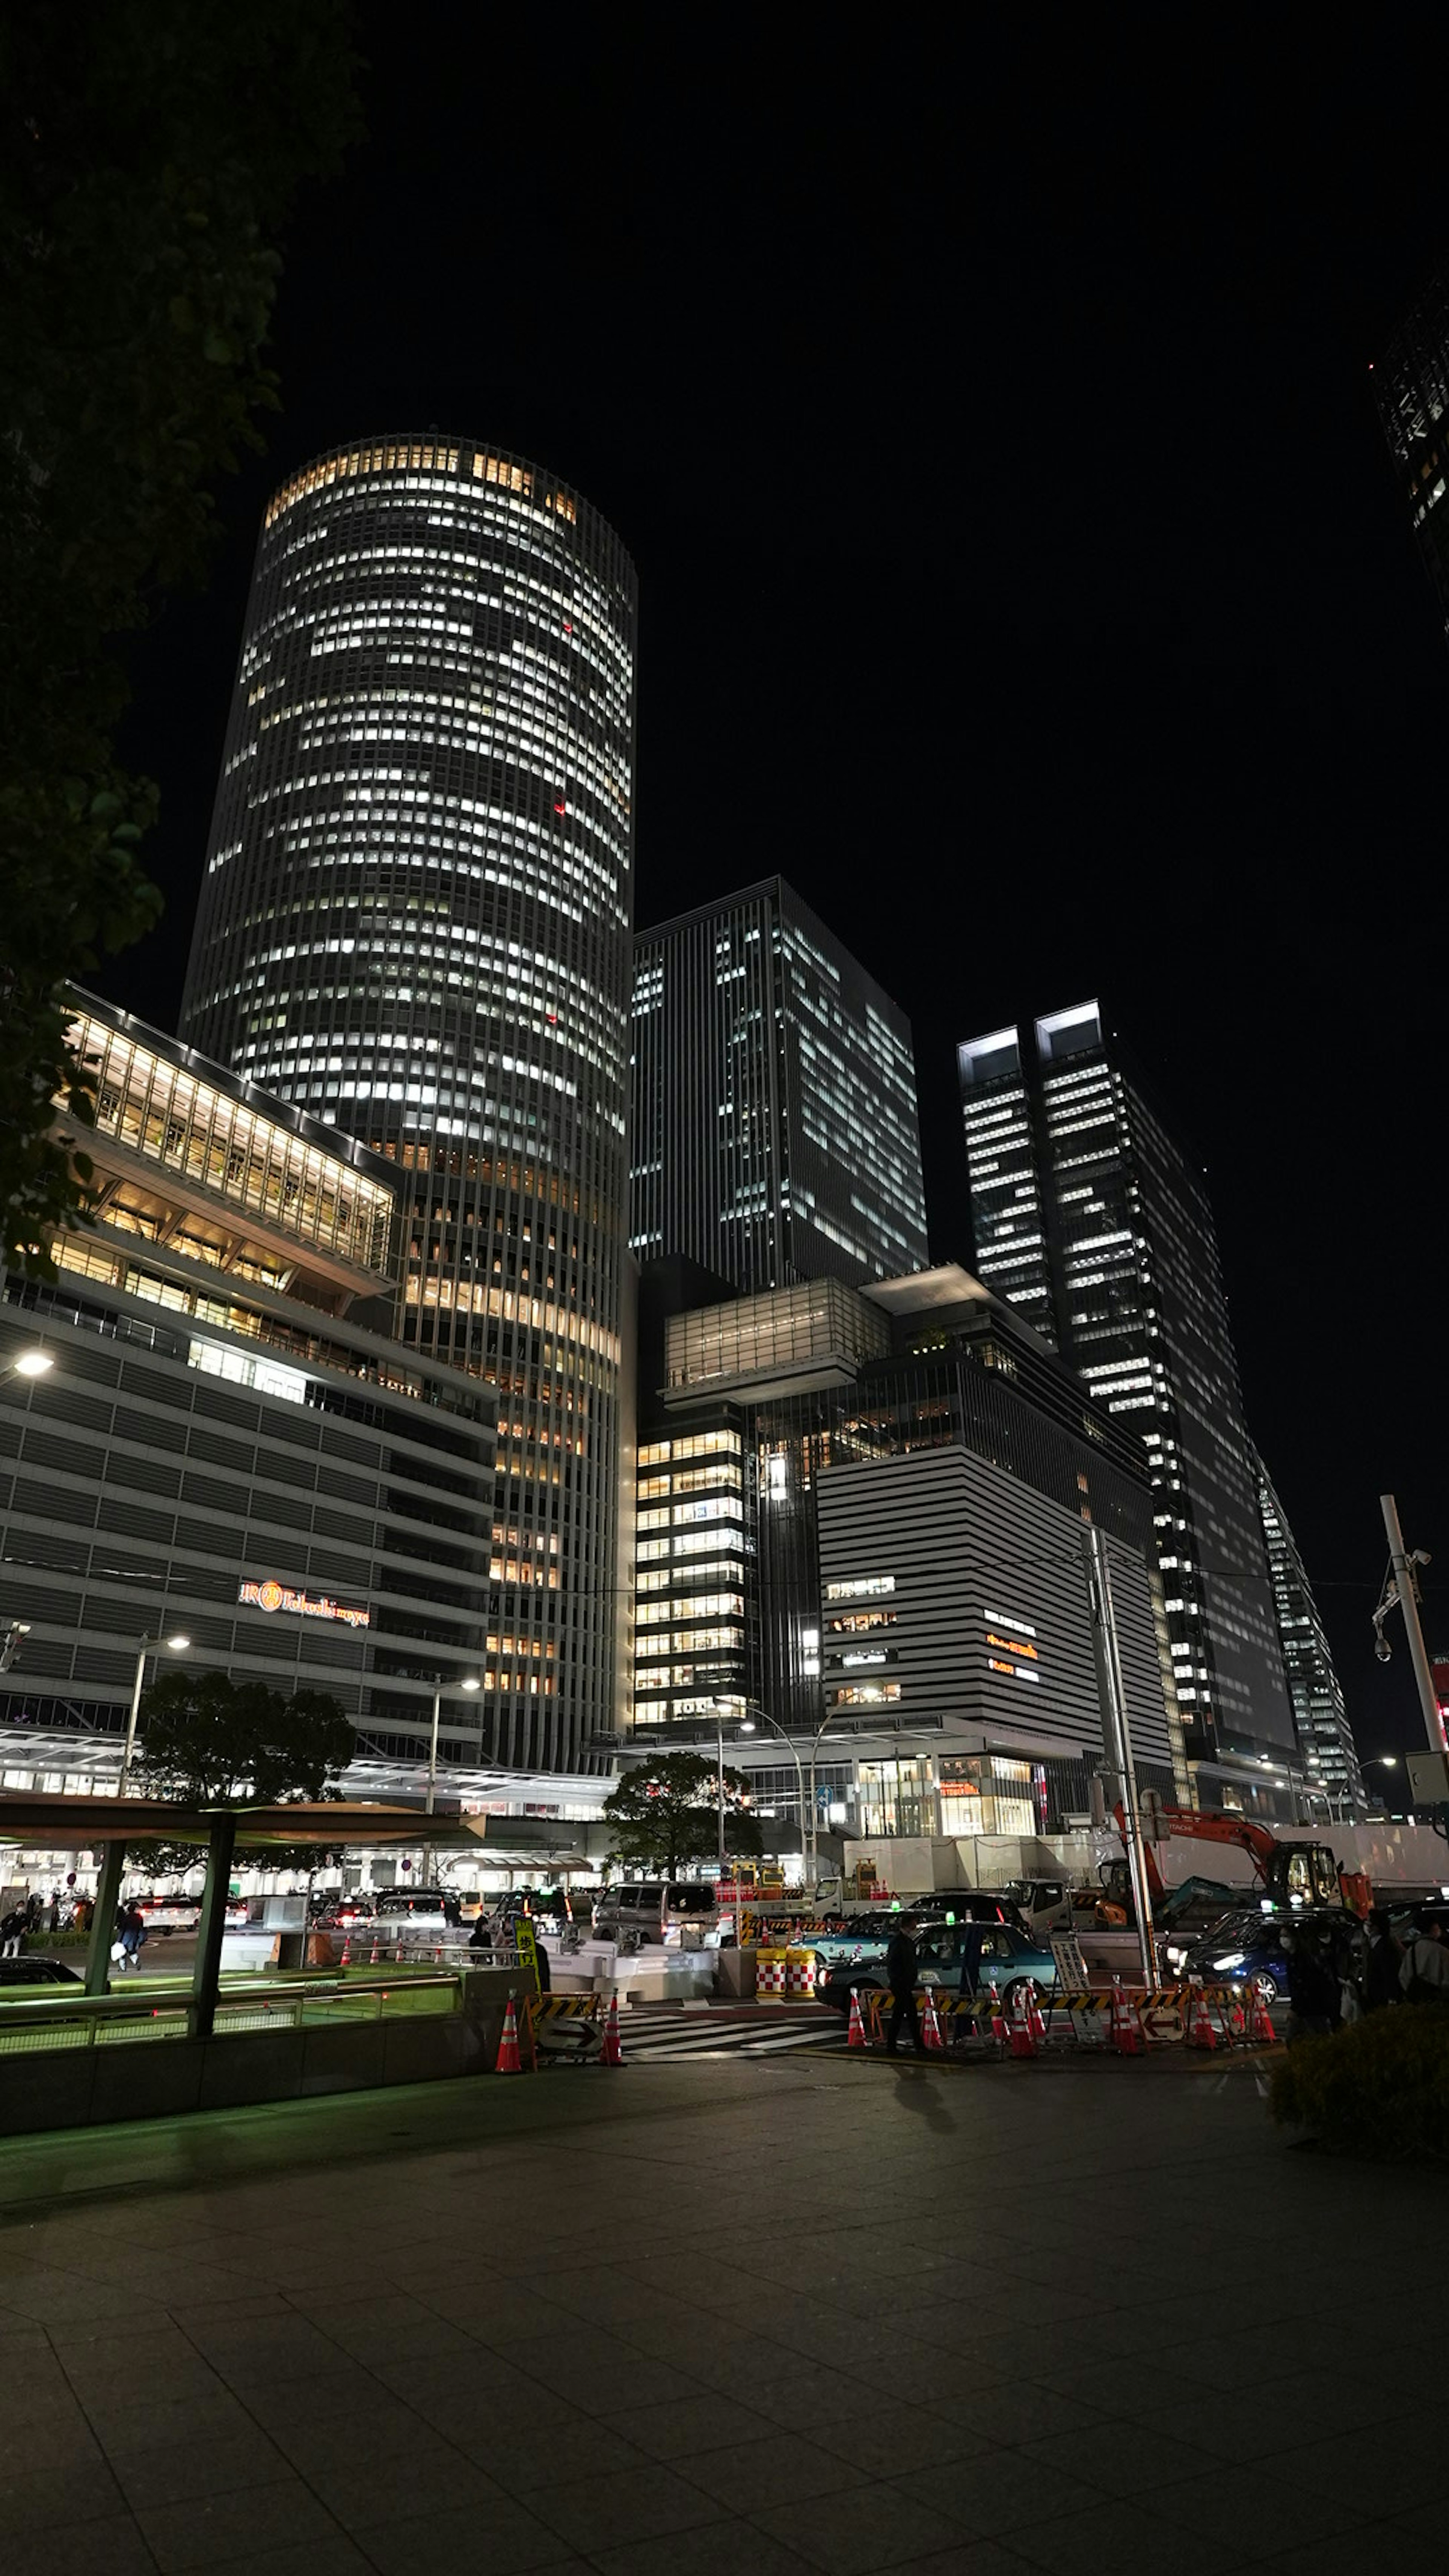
[(1424, 1975), (900, 1964), (1382, 1984), (1313, 1993), (12, 1932), (133, 1935)]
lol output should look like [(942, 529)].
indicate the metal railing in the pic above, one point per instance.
[(108, 2021)]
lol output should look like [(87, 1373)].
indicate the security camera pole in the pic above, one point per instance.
[(1401, 1585)]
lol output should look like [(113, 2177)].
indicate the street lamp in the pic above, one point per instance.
[(31, 1364), (746, 1728), (177, 1645), (469, 1683)]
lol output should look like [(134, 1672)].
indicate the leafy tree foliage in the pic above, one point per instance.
[(207, 1741), (150, 150), (664, 1813)]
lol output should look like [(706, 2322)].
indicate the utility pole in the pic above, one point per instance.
[(1117, 1736), (1404, 1588)]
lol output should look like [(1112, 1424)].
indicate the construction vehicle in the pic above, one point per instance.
[(1359, 1867)]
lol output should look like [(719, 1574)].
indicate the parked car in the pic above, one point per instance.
[(964, 1958), (31, 1970), (415, 1909), (655, 1907), (1250, 1947)]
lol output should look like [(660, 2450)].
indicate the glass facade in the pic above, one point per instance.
[(1319, 1708), (693, 1641), (416, 924), (775, 1133), (1087, 1214)]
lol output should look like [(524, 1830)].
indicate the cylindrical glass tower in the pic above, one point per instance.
[(416, 923)]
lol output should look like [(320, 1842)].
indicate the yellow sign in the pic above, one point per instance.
[(526, 1944)]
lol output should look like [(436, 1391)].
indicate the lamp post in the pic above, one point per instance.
[(30, 1364), (469, 1683), (176, 1645), (746, 1728)]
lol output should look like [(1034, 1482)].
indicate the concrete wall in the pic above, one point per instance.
[(77, 2088)]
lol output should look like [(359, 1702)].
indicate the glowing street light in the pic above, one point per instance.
[(175, 1645), (470, 1682)]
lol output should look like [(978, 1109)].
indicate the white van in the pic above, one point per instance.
[(657, 1909)]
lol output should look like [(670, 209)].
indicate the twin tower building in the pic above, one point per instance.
[(416, 928)]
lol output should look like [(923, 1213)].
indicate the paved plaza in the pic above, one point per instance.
[(728, 2318)]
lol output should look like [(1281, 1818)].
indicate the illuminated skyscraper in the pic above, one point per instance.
[(416, 925), (775, 1135), (1319, 1708), (1411, 386), (1088, 1216)]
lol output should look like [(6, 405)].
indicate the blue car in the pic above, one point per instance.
[(963, 1958)]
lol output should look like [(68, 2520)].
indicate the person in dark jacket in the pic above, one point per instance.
[(1381, 1968), (900, 1965)]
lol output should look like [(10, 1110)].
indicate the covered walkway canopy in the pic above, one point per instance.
[(110, 1825)]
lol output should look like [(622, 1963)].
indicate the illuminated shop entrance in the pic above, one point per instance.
[(990, 1793), (897, 1797)]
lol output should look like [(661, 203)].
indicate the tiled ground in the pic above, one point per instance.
[(724, 2320)]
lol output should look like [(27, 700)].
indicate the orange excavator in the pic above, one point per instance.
[(1288, 1873)]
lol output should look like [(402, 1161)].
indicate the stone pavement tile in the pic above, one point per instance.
[(319, 2441), (1111, 2534), (372, 2341), (1249, 2511), (610, 2297), (112, 2544), (973, 2558), (334, 2557), (1112, 2383), (885, 2449), (206, 2531), (717, 2549), (201, 2465), (1114, 2457), (521, 2452), (1395, 2548), (626, 2505), (459, 2374), (1377, 2470), (750, 2367), (858, 2530), (76, 2490), (268, 2349), (389, 2487), (995, 2492), (773, 2471), (596, 2386), (691, 2424), (503, 2539), (60, 2440)]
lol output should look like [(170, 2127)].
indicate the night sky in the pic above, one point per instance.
[(1022, 573)]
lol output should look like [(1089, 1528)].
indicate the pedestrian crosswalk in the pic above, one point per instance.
[(660, 2034)]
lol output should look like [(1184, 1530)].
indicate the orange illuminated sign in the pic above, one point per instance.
[(272, 1595)]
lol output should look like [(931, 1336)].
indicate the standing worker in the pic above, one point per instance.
[(900, 1962)]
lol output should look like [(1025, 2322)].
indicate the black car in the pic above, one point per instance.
[(31, 1970)]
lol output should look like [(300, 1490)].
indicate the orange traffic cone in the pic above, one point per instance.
[(613, 2052), (1236, 2019), (1034, 2012), (1260, 2028), (1200, 2032), (1022, 2042), (1127, 2036), (855, 2035), (509, 2061), (931, 2035), (997, 2017), (346, 1959), (376, 1953)]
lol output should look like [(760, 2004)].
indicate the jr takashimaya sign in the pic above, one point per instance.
[(272, 1595)]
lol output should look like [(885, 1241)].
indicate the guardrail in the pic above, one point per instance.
[(109, 2021)]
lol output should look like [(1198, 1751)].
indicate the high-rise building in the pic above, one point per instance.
[(211, 1442), (416, 924), (1411, 386), (1320, 1713), (775, 1134), (1088, 1216), (863, 1510)]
